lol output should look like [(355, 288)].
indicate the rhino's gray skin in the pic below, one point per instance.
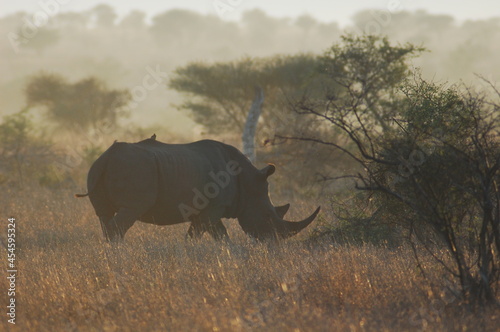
[(156, 183)]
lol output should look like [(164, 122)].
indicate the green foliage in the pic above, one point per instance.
[(433, 110), (82, 105), (452, 187), (370, 61), (359, 221), (370, 71), (436, 161), (14, 131), (24, 153), (362, 231)]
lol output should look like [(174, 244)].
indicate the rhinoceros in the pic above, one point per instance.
[(199, 182)]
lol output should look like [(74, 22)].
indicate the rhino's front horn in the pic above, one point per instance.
[(291, 228)]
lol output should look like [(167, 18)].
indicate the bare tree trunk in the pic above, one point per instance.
[(251, 124)]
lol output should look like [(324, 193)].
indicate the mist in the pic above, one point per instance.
[(122, 51)]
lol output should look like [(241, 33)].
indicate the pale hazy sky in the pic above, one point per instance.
[(324, 10)]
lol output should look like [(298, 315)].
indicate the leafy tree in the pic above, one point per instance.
[(82, 105), (428, 156), (370, 72)]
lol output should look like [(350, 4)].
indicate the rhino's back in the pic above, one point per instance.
[(174, 174)]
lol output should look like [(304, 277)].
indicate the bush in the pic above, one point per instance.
[(358, 221), (428, 155), (83, 105), (26, 155)]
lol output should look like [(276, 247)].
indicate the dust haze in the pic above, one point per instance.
[(121, 51)]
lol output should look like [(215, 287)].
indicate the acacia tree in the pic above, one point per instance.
[(428, 156), (219, 95), (83, 105)]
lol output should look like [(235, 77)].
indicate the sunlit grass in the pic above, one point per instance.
[(71, 280)]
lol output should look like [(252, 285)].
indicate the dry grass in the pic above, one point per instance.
[(70, 280)]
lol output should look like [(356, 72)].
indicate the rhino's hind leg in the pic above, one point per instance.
[(104, 220), (217, 230), (115, 227), (199, 226)]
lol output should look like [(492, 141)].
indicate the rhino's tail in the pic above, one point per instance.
[(96, 171)]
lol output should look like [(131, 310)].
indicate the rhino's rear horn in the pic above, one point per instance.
[(282, 210)]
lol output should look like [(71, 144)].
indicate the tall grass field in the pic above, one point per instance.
[(70, 279)]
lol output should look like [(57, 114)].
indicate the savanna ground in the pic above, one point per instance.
[(69, 279)]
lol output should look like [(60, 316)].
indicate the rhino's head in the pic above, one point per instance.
[(258, 217)]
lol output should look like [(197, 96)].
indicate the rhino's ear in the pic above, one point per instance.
[(267, 171)]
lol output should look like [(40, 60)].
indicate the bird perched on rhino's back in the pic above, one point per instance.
[(199, 182)]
